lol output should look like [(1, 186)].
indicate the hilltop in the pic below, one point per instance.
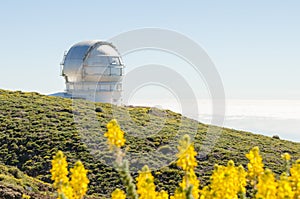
[(34, 126)]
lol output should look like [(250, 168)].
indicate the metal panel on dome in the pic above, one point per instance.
[(74, 59)]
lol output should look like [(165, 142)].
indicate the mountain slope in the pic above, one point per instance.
[(33, 127), (14, 183)]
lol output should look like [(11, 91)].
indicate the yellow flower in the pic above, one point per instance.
[(118, 194), (67, 192), (74, 189), (187, 161), (241, 180), (285, 190), (186, 156), (255, 165), (286, 157), (146, 187), (226, 182), (59, 173), (190, 179), (79, 180), (287, 163), (24, 196), (267, 186), (179, 194), (114, 134), (205, 193), (295, 178), (162, 195)]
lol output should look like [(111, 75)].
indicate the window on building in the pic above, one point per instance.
[(104, 87), (119, 87), (115, 61), (115, 71)]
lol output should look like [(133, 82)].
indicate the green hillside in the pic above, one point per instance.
[(33, 127), (15, 184)]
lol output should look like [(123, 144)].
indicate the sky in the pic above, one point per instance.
[(254, 45)]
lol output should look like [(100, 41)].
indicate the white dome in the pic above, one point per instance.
[(93, 66)]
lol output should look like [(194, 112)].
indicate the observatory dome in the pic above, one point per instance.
[(93, 70)]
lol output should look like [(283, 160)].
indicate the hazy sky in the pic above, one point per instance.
[(255, 45)]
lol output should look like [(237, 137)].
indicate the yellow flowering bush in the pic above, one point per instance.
[(189, 187), (186, 155), (295, 178), (60, 173), (79, 181), (118, 194), (255, 165), (226, 182), (146, 187), (285, 190), (114, 134), (267, 186), (66, 188), (145, 184)]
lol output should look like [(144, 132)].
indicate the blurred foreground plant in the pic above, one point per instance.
[(68, 189), (115, 140), (189, 187), (226, 182)]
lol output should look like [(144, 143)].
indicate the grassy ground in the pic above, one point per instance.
[(15, 184), (33, 127)]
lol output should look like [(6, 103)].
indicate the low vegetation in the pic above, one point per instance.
[(16, 184), (226, 182), (34, 127)]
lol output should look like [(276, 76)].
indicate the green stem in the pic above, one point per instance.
[(189, 192), (127, 179)]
